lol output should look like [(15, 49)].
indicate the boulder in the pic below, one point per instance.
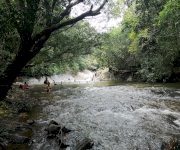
[(53, 122), (53, 129), (30, 122), (18, 139)]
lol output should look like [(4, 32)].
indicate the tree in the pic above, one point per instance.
[(168, 38), (117, 50), (64, 48), (29, 17)]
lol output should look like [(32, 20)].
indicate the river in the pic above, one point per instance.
[(114, 115)]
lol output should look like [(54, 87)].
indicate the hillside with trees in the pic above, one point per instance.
[(146, 42)]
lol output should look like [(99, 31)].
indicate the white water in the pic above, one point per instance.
[(123, 117)]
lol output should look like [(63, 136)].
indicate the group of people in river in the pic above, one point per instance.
[(46, 81)]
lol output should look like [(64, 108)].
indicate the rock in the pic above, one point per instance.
[(175, 145), (53, 129), (65, 130), (130, 78), (21, 107), (30, 122), (18, 139), (53, 122), (106, 76), (84, 144), (63, 145)]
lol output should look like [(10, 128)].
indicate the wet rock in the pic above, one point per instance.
[(171, 145), (53, 129), (18, 139), (84, 144), (107, 76), (53, 122), (23, 127), (30, 122), (21, 107), (65, 130), (63, 145)]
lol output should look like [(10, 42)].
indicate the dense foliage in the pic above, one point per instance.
[(147, 40), (27, 25), (65, 50)]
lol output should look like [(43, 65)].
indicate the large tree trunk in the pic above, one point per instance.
[(27, 51)]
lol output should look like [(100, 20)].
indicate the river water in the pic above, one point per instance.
[(114, 115)]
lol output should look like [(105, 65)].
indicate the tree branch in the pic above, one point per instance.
[(82, 16), (63, 29), (68, 9), (71, 21), (53, 4), (48, 13)]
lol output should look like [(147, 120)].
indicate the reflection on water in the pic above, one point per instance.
[(115, 115)]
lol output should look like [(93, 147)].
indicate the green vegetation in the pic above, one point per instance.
[(147, 41), (40, 38), (27, 25), (65, 50), (3, 134)]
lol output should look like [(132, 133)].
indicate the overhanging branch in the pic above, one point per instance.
[(80, 17), (71, 21), (68, 9)]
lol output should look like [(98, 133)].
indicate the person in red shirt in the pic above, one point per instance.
[(25, 86)]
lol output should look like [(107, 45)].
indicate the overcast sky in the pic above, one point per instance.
[(99, 22)]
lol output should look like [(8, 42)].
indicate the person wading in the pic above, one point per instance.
[(48, 87)]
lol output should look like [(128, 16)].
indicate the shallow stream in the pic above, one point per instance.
[(116, 116)]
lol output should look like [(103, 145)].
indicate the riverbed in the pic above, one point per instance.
[(114, 115)]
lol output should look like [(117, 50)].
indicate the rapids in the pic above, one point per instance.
[(116, 116)]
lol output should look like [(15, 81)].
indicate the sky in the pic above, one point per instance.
[(102, 24), (99, 22)]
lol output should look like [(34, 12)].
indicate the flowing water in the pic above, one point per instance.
[(115, 116)]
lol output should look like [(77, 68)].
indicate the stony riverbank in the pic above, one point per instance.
[(15, 128)]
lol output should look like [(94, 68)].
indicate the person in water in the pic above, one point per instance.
[(25, 86), (48, 87), (46, 81), (21, 86)]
